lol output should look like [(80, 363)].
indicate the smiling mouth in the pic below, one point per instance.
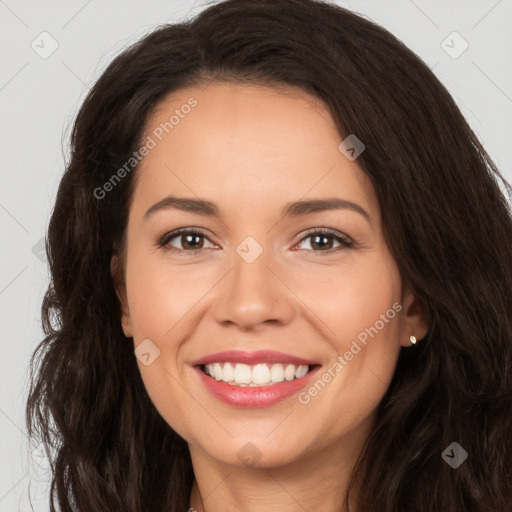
[(257, 375)]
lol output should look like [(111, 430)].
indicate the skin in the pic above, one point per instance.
[(251, 150)]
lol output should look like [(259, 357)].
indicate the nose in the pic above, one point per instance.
[(252, 295)]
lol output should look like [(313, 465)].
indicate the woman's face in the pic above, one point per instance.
[(261, 279)]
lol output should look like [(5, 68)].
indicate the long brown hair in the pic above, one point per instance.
[(445, 217)]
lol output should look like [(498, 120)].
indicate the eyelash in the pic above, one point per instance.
[(346, 243)]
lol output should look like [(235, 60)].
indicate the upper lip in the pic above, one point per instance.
[(250, 358)]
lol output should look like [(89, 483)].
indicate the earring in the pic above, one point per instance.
[(412, 339)]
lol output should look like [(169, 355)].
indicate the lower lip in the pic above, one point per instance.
[(261, 396)]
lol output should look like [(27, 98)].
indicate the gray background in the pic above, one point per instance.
[(40, 96)]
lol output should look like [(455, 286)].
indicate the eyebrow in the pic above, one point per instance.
[(294, 209)]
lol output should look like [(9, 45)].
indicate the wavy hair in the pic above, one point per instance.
[(445, 215)]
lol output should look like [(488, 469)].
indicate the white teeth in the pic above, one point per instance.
[(277, 373), (289, 372), (217, 371), (242, 374), (260, 374), (301, 371), (228, 373)]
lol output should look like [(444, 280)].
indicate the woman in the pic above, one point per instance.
[(281, 279)]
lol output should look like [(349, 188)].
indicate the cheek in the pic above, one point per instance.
[(352, 298), (159, 302), (160, 296), (360, 305)]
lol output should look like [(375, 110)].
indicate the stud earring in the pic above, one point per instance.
[(413, 339)]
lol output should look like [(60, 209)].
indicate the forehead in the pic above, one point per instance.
[(262, 145)]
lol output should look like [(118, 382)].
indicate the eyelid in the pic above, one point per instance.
[(345, 241), (164, 239)]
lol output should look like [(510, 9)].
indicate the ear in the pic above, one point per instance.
[(415, 318), (117, 273)]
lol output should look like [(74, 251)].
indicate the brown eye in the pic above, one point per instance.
[(192, 241), (186, 241), (323, 241)]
